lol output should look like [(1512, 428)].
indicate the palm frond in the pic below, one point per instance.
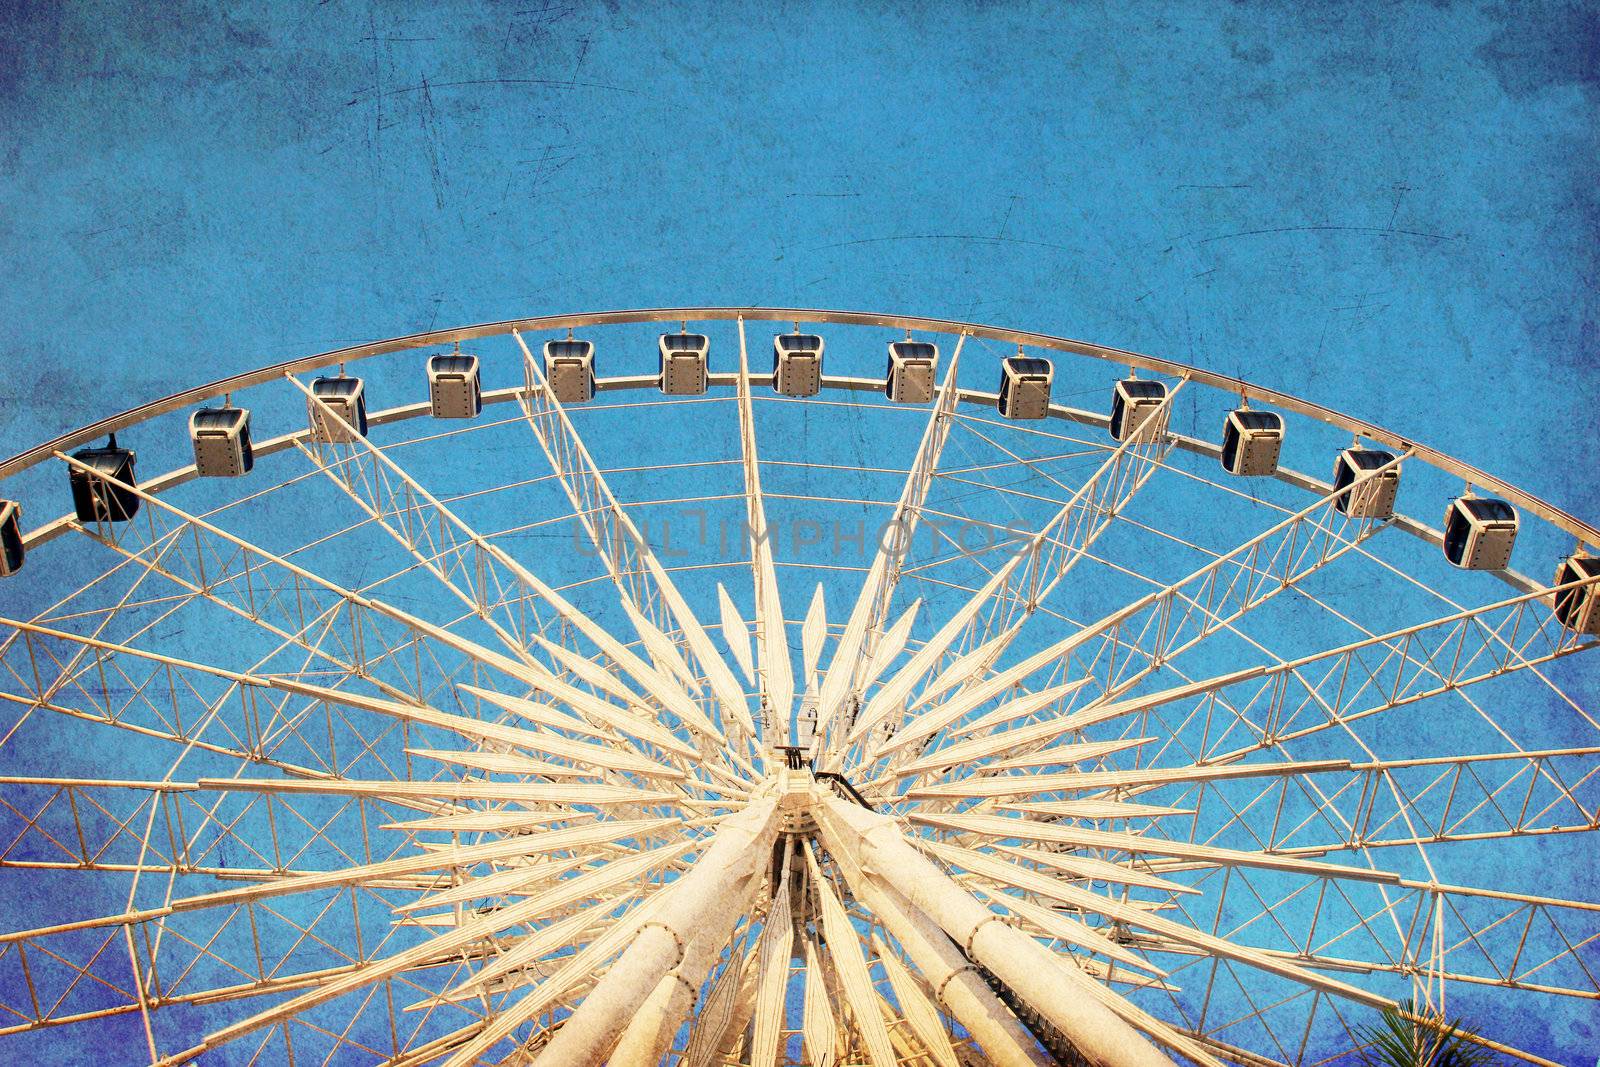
[(1410, 1037)]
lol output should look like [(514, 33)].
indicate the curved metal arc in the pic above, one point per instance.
[(1237, 386), (161, 483)]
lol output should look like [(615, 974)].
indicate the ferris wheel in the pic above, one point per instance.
[(638, 687)]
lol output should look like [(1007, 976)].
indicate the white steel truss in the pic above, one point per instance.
[(442, 808)]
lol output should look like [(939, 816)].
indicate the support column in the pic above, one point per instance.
[(740, 845), (1031, 971), (958, 985), (651, 1031)]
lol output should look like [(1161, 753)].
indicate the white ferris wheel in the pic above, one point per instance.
[(566, 691)]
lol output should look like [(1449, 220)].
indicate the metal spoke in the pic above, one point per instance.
[(643, 582), (772, 645)]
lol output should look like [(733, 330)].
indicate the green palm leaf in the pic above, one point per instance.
[(1409, 1037)]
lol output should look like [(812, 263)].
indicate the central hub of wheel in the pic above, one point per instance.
[(796, 799), (797, 791)]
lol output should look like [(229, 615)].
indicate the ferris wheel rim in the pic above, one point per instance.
[(1289, 476), (1587, 534)]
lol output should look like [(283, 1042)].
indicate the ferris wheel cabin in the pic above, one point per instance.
[(684, 359), (1479, 533), (1025, 387), (1251, 441), (1136, 411), (341, 415), (1578, 609), (221, 439), (805, 724), (569, 368), (94, 498), (1373, 494), (797, 364), (454, 391), (909, 378), (11, 550)]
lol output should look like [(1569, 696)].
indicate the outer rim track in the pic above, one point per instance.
[(1583, 531)]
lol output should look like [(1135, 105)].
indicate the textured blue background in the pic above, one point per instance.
[(1390, 209)]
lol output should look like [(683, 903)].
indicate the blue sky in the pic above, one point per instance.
[(1384, 207)]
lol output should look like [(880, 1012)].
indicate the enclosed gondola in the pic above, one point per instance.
[(94, 498), (11, 550), (1251, 441), (684, 359), (221, 439), (1479, 532), (454, 391), (909, 378), (1373, 480), (1025, 387), (339, 411), (569, 368), (1578, 608), (805, 724), (1137, 411), (797, 364)]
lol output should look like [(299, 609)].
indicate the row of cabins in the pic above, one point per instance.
[(1479, 532)]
